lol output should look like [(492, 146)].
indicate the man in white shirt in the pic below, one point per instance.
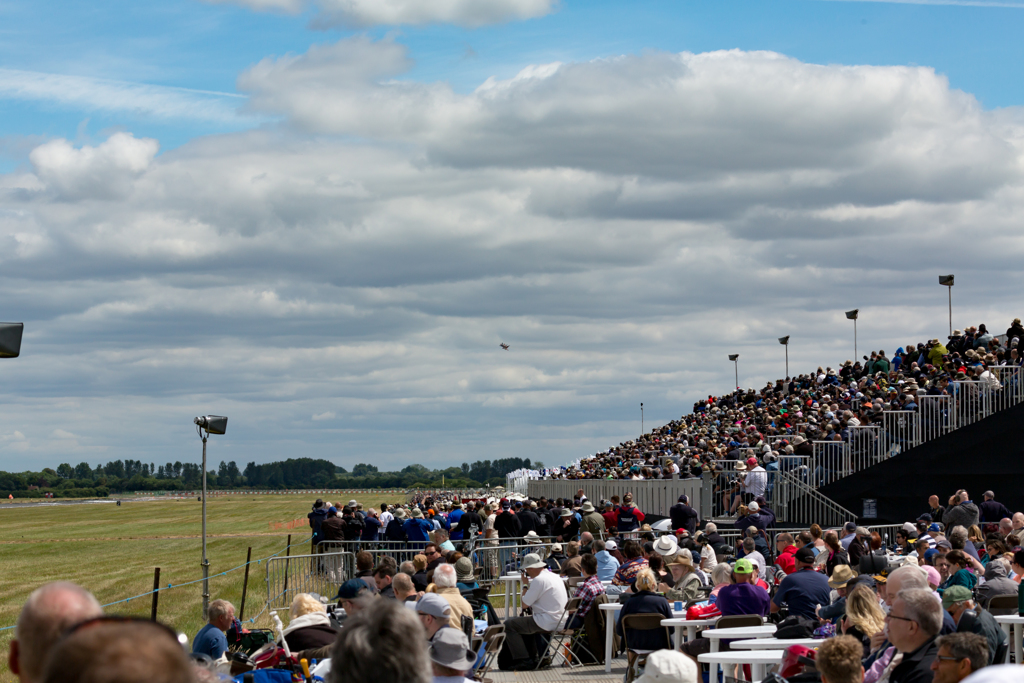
[(544, 593), (385, 517), (756, 481)]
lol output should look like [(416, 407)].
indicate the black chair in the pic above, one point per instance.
[(1001, 604), (641, 622)]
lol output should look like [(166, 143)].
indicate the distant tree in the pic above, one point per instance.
[(65, 471)]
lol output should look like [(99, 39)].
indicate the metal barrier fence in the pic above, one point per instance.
[(650, 495), (321, 573)]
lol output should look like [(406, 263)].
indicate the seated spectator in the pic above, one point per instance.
[(374, 647), (996, 581), (587, 591), (403, 588), (803, 590), (786, 549), (419, 577), (645, 601), (383, 577), (444, 583), (913, 623), (606, 563), (626, 574), (959, 575), (958, 601), (839, 660), (309, 627), (571, 566), (451, 656), (721, 576), (864, 617), (49, 611), (435, 613), (353, 596), (742, 596), (669, 665), (545, 595), (556, 558), (685, 582), (118, 652), (464, 573), (959, 655), (211, 639)]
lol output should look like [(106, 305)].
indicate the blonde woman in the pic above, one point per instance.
[(864, 618), (310, 627), (645, 601)]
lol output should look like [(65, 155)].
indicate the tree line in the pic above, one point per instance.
[(84, 480)]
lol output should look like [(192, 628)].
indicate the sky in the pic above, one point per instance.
[(321, 217)]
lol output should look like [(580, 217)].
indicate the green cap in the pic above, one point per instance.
[(955, 594), (743, 566)]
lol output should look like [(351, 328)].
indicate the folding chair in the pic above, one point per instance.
[(576, 580), (641, 622), (564, 639), (493, 639), (1002, 604)]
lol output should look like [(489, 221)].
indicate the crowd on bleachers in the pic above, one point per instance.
[(818, 406)]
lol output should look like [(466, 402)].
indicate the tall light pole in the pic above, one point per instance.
[(852, 315), (947, 280), (641, 418), (735, 358), (785, 342), (10, 339), (211, 424)]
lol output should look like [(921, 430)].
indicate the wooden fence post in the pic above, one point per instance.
[(245, 585), (156, 591)]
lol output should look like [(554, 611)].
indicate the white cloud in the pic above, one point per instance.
[(101, 172), (623, 224), (99, 94), (365, 13)]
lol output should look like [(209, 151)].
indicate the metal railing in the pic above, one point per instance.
[(321, 573), (796, 502)]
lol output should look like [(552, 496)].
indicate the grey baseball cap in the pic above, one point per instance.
[(434, 605)]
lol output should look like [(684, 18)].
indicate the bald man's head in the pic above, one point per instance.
[(48, 612), (908, 577)]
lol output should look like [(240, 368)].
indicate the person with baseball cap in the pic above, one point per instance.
[(804, 589), (435, 613), (958, 601), (742, 596)]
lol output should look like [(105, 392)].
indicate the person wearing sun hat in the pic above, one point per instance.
[(451, 656), (591, 520), (668, 666)]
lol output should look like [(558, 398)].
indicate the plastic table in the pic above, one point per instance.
[(716, 635), (757, 659), (513, 590), (1006, 621), (691, 626), (611, 609), (774, 643)]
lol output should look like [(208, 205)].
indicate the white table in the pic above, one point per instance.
[(691, 626), (757, 659), (1006, 621), (774, 643), (610, 609), (513, 589), (716, 635)]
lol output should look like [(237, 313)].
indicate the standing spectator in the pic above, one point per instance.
[(353, 524), (592, 520), (566, 528), (371, 526), (385, 516), (395, 530), (332, 528), (961, 511), (755, 483), (211, 639), (417, 529), (528, 519), (316, 518), (506, 523), (453, 521), (683, 516), (934, 509), (469, 523), (546, 518), (611, 515), (991, 511), (49, 611), (629, 518)]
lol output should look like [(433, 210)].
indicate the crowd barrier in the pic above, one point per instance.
[(320, 573)]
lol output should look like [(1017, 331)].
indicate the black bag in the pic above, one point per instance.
[(872, 564), (795, 626)]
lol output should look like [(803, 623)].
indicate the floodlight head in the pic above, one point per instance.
[(784, 340), (733, 356), (852, 315), (10, 339), (946, 280), (213, 424)]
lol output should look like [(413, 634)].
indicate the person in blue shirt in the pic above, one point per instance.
[(211, 640), (453, 521), (416, 528), (371, 526), (804, 589)]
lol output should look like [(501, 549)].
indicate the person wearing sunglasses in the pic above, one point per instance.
[(960, 655)]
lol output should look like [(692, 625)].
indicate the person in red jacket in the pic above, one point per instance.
[(611, 515), (629, 517), (786, 549)]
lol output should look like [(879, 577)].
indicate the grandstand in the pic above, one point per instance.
[(822, 437)]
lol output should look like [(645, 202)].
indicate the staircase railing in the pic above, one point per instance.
[(794, 501)]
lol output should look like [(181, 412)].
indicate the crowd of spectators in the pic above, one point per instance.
[(818, 406)]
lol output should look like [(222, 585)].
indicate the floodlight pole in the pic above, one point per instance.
[(641, 419), (950, 288), (736, 367), (787, 360), (855, 340), (206, 563)]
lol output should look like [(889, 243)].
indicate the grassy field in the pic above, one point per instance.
[(112, 551)]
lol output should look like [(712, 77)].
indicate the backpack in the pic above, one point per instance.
[(795, 626)]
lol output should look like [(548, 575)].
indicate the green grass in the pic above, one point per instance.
[(112, 551)]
